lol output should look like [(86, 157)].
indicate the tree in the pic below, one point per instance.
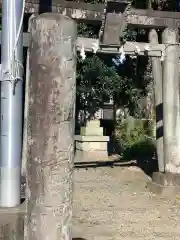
[(168, 5), (96, 83)]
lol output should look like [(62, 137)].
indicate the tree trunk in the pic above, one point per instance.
[(51, 121)]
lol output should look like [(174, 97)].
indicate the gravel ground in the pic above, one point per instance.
[(113, 203)]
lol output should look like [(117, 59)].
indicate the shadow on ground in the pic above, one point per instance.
[(116, 163), (79, 239), (144, 152), (141, 154)]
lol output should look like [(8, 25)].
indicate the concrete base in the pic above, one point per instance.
[(91, 131), (91, 156), (12, 223), (165, 184), (91, 148)]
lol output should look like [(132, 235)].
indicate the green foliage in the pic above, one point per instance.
[(88, 30), (144, 148), (129, 131), (126, 83), (133, 84), (96, 82), (168, 5)]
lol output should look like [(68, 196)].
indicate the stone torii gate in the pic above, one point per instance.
[(114, 16), (118, 15), (49, 115)]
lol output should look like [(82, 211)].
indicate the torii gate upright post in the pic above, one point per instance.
[(167, 183), (157, 75), (171, 104), (50, 127)]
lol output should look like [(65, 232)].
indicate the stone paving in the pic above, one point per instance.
[(114, 204)]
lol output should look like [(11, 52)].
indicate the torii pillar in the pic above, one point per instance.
[(168, 182)]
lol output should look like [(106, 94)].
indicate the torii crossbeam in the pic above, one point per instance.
[(93, 13)]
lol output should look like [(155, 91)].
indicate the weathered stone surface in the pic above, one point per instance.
[(91, 156), (94, 12), (166, 179), (51, 123), (170, 192), (171, 103), (91, 138), (165, 184), (91, 146), (93, 123), (91, 131), (158, 79), (12, 223)]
